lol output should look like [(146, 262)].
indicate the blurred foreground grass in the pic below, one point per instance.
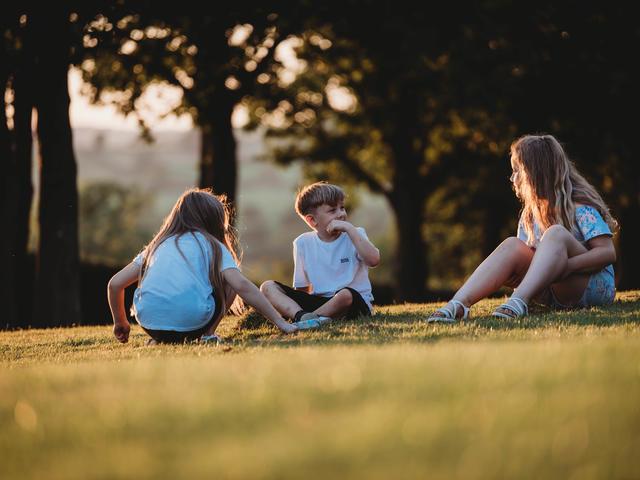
[(554, 395)]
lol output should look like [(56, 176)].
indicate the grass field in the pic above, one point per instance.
[(551, 396)]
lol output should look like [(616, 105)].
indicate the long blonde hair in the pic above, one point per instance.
[(550, 186), (199, 210)]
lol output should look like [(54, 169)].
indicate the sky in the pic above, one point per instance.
[(157, 100)]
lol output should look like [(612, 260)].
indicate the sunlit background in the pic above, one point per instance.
[(412, 112), (149, 176)]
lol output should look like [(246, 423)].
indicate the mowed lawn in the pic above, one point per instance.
[(556, 395)]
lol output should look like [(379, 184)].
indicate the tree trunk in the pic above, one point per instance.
[(218, 162), (57, 271), (628, 264), (411, 249), (7, 287), (16, 152), (408, 203)]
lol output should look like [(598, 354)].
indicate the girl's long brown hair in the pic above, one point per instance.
[(550, 186), (199, 210)]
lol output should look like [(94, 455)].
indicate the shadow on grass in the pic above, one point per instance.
[(394, 327)]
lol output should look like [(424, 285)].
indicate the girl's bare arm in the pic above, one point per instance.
[(115, 295), (254, 297), (600, 254)]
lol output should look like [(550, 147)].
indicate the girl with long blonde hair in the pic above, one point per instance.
[(188, 275), (563, 253)]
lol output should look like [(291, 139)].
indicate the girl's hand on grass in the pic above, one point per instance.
[(121, 332), (288, 328)]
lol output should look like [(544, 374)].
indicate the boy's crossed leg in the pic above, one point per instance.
[(290, 302)]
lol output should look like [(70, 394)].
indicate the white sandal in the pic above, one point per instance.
[(516, 305), (449, 313)]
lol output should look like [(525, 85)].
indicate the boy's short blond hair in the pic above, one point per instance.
[(312, 196)]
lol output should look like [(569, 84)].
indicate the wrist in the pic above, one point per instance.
[(350, 229)]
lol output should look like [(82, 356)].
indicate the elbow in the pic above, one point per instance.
[(374, 260), (114, 285)]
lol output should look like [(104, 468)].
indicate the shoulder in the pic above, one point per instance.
[(590, 222), (223, 247), (587, 213), (306, 237), (580, 207), (196, 239)]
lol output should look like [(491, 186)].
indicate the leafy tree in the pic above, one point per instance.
[(431, 99), (213, 57)]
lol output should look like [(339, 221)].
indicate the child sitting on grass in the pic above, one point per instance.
[(331, 263), (563, 253), (188, 276)]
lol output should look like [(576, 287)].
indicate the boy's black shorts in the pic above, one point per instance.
[(309, 302)]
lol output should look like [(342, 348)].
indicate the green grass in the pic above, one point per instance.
[(554, 395)]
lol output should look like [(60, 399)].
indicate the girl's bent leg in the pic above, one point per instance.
[(550, 264), (507, 264), (229, 298)]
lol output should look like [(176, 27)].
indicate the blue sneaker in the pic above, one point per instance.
[(309, 321), (212, 339)]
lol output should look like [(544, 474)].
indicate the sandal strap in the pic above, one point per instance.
[(465, 309), (450, 312), (516, 305)]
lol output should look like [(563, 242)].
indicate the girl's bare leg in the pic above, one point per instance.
[(506, 265), (230, 296), (549, 264)]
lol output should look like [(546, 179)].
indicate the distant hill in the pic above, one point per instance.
[(267, 222)]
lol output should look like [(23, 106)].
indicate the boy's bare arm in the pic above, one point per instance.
[(367, 250)]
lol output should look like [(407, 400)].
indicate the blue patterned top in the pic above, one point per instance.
[(590, 225)]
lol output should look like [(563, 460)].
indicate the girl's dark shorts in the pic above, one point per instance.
[(172, 336)]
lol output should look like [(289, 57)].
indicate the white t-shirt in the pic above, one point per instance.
[(330, 266), (175, 293)]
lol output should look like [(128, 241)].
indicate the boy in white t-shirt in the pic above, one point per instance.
[(331, 263)]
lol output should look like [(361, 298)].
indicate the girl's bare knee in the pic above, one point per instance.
[(513, 243), (555, 232)]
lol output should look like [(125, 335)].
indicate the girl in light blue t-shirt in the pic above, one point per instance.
[(188, 276), (563, 253)]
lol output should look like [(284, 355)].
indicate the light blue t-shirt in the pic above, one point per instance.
[(590, 225), (175, 293)]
